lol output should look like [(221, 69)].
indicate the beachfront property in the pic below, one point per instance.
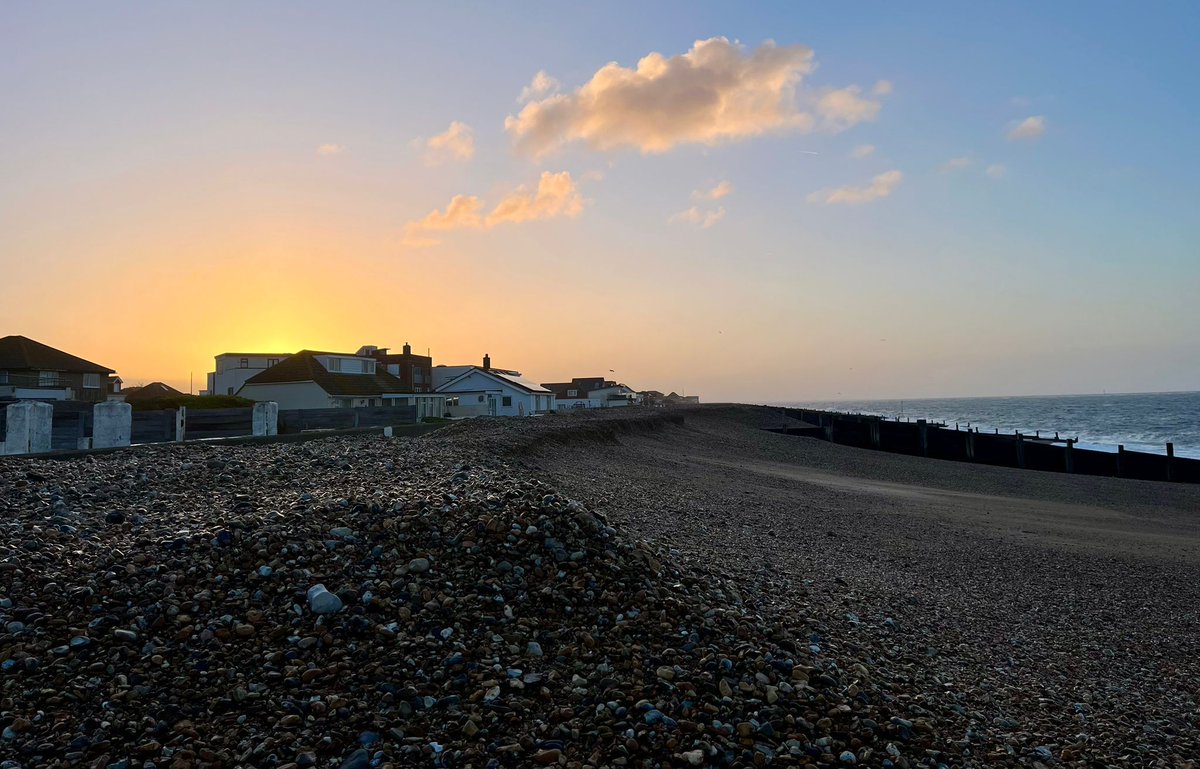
[(591, 393), (487, 391), (234, 368), (415, 372), (311, 379), (30, 370)]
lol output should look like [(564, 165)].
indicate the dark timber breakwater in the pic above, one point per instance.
[(1031, 452)]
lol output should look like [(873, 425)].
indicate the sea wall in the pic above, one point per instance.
[(1037, 452)]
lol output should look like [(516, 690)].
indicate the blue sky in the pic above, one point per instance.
[(165, 158)]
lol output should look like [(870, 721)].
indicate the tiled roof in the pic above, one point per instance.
[(18, 352), (152, 390), (304, 367)]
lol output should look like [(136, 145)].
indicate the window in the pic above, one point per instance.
[(572, 393), (244, 363), (229, 391), (418, 375), (47, 379), (507, 401), (369, 366), (335, 364), (272, 362), (91, 381), (481, 399)]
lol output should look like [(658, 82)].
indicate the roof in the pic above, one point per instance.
[(18, 352), (152, 390), (253, 355), (518, 381), (304, 367)]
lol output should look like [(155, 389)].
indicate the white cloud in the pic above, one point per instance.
[(843, 108), (955, 164), (331, 149), (879, 187), (455, 143), (716, 193), (996, 171), (556, 195), (1029, 128), (882, 88), (541, 85), (715, 92), (862, 151), (695, 215)]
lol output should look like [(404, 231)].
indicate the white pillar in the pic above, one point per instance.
[(112, 424), (28, 427), (180, 422), (266, 418)]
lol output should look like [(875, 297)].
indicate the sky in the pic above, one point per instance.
[(753, 202)]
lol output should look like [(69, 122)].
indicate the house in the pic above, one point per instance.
[(415, 371), (32, 370), (234, 368), (486, 391), (591, 393), (313, 380), (150, 392)]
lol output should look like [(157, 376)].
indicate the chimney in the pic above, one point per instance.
[(407, 349), (487, 362)]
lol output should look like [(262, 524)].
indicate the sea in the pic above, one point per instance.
[(1138, 421)]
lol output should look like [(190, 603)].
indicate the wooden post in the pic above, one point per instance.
[(1020, 451), (1120, 456), (1170, 458), (1069, 459), (969, 440), (923, 437)]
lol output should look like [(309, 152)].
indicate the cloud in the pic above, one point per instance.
[(996, 171), (1029, 128), (694, 215), (541, 85), (455, 143), (880, 187), (862, 150), (843, 108), (556, 195), (716, 193), (331, 149), (716, 92), (955, 164), (882, 88)]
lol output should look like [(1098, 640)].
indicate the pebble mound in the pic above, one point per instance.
[(361, 602)]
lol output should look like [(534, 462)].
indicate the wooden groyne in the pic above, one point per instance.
[(1029, 452)]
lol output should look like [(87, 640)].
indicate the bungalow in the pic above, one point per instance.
[(313, 380), (591, 393), (36, 371), (486, 391)]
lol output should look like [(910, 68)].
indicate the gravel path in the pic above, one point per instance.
[(641, 589)]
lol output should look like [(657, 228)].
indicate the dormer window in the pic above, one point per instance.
[(335, 364)]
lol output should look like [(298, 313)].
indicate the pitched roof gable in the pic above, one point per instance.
[(304, 367), (517, 381), (19, 352)]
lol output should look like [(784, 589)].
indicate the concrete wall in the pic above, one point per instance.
[(290, 395), (265, 418), (28, 426), (112, 425)]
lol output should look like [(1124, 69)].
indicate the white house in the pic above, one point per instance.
[(486, 391), (317, 380), (234, 368)]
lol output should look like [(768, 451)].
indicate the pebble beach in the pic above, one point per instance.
[(643, 589)]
